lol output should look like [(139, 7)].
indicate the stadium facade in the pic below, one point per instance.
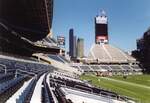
[(23, 23)]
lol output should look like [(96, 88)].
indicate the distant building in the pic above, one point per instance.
[(72, 44), (103, 52), (101, 28), (143, 50), (74, 47), (80, 48), (61, 40), (140, 44)]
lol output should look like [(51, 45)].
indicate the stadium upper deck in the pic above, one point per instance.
[(32, 19), (105, 53), (23, 23)]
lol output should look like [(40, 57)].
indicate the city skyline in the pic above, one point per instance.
[(127, 20)]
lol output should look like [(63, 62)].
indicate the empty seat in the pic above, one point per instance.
[(126, 68), (105, 67), (8, 84), (96, 68), (62, 57), (85, 68), (55, 57)]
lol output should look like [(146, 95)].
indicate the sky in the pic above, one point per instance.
[(127, 20)]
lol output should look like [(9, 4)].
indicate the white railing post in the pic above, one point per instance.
[(16, 74)]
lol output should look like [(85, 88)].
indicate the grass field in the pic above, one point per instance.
[(135, 86)]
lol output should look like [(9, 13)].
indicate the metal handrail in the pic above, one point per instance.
[(31, 73), (5, 68), (18, 65)]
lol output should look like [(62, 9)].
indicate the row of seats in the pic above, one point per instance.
[(99, 52), (65, 77), (46, 93), (28, 92), (85, 68), (63, 73), (95, 67), (18, 69), (6, 77), (21, 95), (57, 82), (8, 84), (78, 85), (59, 58), (64, 59), (37, 93), (24, 95), (12, 65), (55, 57), (115, 53), (88, 68), (60, 96), (107, 53)]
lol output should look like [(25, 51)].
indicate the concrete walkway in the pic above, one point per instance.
[(36, 97)]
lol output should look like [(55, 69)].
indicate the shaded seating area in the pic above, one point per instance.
[(18, 78), (8, 84), (70, 83), (58, 81)]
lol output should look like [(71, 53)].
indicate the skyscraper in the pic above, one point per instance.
[(80, 48), (101, 28), (143, 51), (74, 47), (72, 44)]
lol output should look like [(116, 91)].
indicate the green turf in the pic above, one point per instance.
[(141, 94), (140, 79)]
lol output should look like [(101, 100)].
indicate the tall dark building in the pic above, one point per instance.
[(72, 44), (22, 23), (143, 51), (101, 28)]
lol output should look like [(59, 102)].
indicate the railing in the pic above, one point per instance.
[(4, 66), (27, 73), (6, 85)]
